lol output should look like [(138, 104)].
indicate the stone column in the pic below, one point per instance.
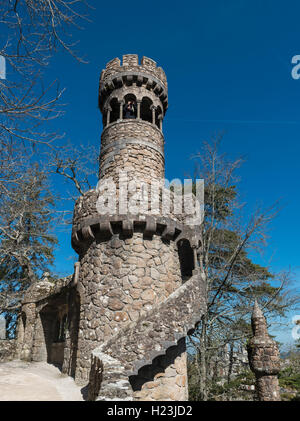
[(108, 116), (20, 334), (264, 358), (2, 328), (121, 110), (160, 118), (30, 311), (153, 109), (138, 112)]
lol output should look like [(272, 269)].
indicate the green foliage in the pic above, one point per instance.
[(288, 380), (220, 198), (233, 390), (289, 376), (193, 380)]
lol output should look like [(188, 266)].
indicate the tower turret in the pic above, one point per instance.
[(133, 143)]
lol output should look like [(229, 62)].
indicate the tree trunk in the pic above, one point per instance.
[(230, 366), (203, 393)]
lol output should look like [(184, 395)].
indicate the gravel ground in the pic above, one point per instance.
[(22, 381)]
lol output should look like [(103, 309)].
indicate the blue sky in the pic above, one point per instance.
[(228, 65)]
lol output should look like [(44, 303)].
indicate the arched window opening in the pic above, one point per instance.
[(129, 107), (146, 113), (130, 97), (115, 111), (186, 259)]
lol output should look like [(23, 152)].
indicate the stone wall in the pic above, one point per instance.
[(7, 349), (138, 146), (44, 304), (119, 279), (143, 130), (170, 382)]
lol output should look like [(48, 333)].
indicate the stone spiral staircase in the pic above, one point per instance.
[(132, 355)]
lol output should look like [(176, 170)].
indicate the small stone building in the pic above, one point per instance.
[(119, 323)]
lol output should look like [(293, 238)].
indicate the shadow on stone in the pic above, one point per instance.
[(84, 392), (159, 365)]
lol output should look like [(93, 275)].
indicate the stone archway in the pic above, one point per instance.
[(49, 337)]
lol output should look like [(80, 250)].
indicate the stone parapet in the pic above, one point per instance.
[(102, 227), (108, 375)]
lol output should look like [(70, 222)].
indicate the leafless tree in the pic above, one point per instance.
[(77, 165), (31, 32)]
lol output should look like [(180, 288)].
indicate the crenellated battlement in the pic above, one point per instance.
[(130, 62), (131, 78)]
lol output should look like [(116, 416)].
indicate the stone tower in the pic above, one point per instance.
[(264, 358), (130, 263), (119, 323)]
